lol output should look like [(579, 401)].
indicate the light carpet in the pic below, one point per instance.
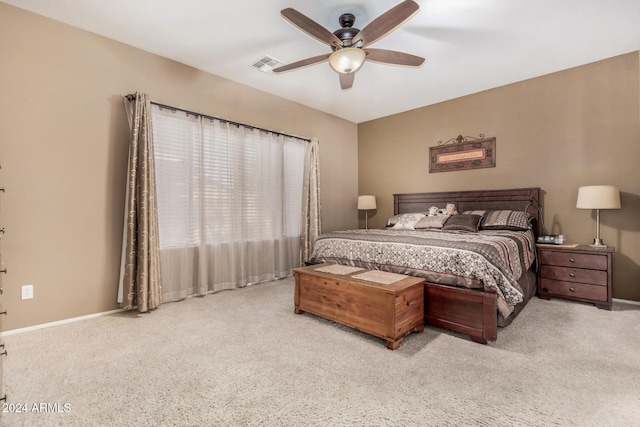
[(243, 358)]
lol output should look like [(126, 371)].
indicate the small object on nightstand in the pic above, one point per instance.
[(551, 239), (576, 272)]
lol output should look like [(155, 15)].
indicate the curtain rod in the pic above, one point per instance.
[(131, 97)]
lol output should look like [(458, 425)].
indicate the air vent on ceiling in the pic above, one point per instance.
[(266, 64)]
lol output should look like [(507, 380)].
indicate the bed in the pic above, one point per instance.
[(475, 281)]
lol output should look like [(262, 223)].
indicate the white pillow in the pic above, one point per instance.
[(408, 221)]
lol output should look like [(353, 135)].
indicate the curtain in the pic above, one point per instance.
[(141, 282), (311, 220), (229, 203)]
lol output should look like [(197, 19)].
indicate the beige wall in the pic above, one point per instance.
[(63, 149), (558, 132)]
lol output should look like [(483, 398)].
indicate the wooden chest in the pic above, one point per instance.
[(579, 273), (387, 311)]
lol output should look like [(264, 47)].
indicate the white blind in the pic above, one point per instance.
[(221, 183), (177, 142)]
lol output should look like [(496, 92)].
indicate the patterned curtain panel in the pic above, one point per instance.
[(141, 282), (311, 220)]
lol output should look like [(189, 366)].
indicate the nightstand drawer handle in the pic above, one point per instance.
[(572, 290), (572, 260), (572, 274)]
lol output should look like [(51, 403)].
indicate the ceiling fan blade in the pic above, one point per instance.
[(310, 27), (393, 57), (387, 22), (302, 63), (346, 80)]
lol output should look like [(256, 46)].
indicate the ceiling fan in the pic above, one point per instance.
[(350, 45)]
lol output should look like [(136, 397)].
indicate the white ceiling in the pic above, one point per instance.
[(469, 45)]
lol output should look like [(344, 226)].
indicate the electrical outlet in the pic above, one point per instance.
[(27, 292)]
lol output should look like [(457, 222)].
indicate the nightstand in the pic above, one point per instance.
[(580, 273)]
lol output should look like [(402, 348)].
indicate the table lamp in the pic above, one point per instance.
[(598, 197), (366, 203)]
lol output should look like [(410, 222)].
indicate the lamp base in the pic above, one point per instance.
[(597, 243)]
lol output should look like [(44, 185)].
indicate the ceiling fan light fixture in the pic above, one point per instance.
[(347, 60)]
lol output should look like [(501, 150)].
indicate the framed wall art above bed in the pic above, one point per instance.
[(461, 153)]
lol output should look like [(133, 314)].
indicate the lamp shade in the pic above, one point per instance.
[(598, 197), (366, 202), (347, 60)]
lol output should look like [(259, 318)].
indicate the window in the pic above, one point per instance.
[(230, 191)]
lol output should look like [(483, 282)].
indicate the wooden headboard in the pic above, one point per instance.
[(514, 199)]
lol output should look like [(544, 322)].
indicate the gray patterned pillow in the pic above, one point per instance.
[(408, 221), (506, 220), (431, 222)]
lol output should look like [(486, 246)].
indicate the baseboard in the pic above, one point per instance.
[(625, 301), (58, 322)]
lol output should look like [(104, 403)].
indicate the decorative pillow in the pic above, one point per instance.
[(464, 222), (394, 219), (408, 221), (431, 222), (481, 213), (506, 220)]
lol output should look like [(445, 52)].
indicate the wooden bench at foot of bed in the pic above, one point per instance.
[(389, 311), (462, 310)]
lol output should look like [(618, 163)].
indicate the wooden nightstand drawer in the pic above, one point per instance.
[(580, 275), (574, 290), (572, 259)]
